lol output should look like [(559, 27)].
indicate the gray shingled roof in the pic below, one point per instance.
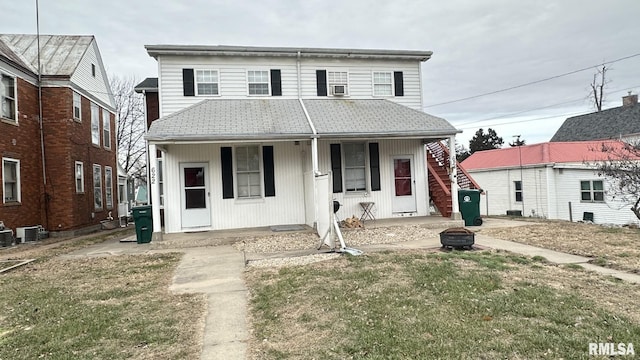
[(59, 55), (217, 119), (375, 117), (148, 84), (606, 124)]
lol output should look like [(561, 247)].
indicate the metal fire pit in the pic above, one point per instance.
[(457, 238)]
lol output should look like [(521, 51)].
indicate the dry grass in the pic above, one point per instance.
[(614, 247)]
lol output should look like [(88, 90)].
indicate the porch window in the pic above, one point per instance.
[(97, 187), (106, 129), (355, 167), (108, 187), (207, 82), (8, 97), (382, 84), (258, 82), (77, 106), (518, 186), (11, 180), (248, 172), (592, 190)]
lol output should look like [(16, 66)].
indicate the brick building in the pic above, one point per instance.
[(60, 172)]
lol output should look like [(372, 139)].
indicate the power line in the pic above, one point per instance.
[(529, 120), (533, 82)]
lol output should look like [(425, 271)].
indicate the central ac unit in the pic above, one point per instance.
[(6, 237), (27, 233), (338, 89)]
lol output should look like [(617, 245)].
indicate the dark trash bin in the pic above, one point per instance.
[(469, 201), (143, 219)]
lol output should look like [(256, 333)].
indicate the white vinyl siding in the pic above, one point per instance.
[(77, 106), (232, 78), (97, 187), (8, 97), (258, 82), (10, 180), (108, 187), (95, 124), (97, 86), (382, 84), (206, 82), (248, 177), (106, 129), (79, 176)]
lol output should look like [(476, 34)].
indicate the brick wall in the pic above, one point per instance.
[(67, 141), (22, 142), (153, 107)]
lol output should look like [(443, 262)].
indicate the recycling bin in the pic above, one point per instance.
[(469, 201), (143, 219)]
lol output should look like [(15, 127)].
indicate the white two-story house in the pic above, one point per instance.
[(262, 136)]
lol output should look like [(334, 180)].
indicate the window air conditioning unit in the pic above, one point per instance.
[(6, 238), (27, 233), (338, 90)]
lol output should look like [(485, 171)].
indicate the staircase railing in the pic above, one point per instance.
[(441, 153)]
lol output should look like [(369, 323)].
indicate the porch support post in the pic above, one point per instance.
[(314, 155), (155, 192), (453, 176)]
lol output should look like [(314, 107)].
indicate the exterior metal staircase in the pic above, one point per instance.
[(439, 183)]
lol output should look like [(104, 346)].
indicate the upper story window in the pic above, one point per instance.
[(106, 129), (518, 188), (8, 97), (258, 82), (77, 106), (207, 82), (93, 70), (248, 171), (95, 124), (11, 180), (338, 82), (592, 190), (382, 84)]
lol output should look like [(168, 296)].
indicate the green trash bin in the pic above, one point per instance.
[(143, 219), (469, 201)]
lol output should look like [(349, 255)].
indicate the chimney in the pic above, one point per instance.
[(629, 100)]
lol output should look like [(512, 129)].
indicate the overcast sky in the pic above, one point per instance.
[(479, 46)]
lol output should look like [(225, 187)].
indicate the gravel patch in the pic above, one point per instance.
[(292, 261)]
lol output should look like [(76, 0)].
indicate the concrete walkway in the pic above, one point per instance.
[(217, 272)]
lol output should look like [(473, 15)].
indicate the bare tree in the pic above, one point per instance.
[(597, 87), (131, 126), (621, 167)]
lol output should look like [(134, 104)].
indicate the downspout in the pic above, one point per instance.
[(42, 152)]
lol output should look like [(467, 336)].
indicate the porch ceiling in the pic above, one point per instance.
[(284, 119)]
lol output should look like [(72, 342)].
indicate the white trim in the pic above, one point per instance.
[(592, 191), (330, 83), (367, 179), (260, 175), (268, 71), (195, 82), (18, 192), (75, 176), (99, 168)]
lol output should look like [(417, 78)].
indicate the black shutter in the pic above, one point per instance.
[(399, 83), (276, 83), (187, 82), (374, 165), (269, 173), (336, 168), (227, 172), (321, 82)]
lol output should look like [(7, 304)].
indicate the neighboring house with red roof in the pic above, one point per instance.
[(552, 180)]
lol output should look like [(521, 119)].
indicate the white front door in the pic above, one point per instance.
[(196, 211), (404, 194)]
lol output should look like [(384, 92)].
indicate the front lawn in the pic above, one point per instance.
[(426, 305)]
